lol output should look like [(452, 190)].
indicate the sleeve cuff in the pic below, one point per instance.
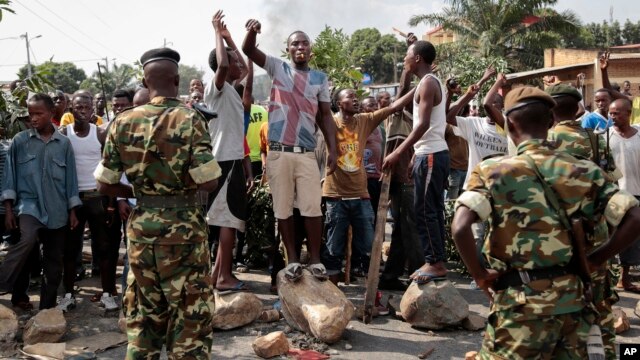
[(476, 202), (74, 201), (106, 175), (9, 195), (206, 172), (618, 206)]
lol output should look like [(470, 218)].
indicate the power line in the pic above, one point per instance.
[(79, 30), (60, 31), (94, 15)]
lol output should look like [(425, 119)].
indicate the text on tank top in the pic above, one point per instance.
[(88, 154), (432, 141)]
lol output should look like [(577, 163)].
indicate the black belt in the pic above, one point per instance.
[(169, 201), (515, 278), (89, 194), (275, 146)]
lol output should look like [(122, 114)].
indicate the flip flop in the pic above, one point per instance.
[(428, 277), (293, 272), (240, 287), (318, 271)]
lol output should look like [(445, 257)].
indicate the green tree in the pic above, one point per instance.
[(331, 55), (186, 74), (64, 76), (631, 32), (119, 77), (5, 6), (513, 29), (376, 54)]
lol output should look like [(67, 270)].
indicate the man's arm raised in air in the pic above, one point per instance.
[(495, 114), (249, 47), (604, 65)]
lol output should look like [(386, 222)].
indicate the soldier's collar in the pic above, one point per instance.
[(533, 144), (159, 100)]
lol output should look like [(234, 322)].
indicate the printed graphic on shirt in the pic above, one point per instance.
[(348, 146)]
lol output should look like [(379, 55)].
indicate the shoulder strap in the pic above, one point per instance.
[(593, 138), (550, 194)]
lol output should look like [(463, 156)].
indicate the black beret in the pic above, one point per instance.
[(160, 54), (558, 90)]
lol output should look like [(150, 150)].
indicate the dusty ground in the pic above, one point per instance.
[(386, 338)]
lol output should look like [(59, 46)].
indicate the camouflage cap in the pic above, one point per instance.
[(160, 54), (523, 96), (559, 90)]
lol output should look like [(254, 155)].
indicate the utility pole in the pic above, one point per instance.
[(26, 39)]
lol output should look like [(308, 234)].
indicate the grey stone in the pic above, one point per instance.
[(48, 326), (270, 345), (433, 305), (235, 310)]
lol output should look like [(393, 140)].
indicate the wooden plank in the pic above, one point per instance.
[(376, 249)]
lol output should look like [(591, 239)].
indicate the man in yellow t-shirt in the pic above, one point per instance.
[(257, 117)]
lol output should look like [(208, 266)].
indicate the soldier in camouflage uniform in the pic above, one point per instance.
[(538, 308), (164, 149), (568, 136)]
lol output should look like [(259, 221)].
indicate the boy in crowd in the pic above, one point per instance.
[(39, 156)]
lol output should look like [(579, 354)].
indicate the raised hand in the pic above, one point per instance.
[(218, 24), (489, 73), (604, 60), (253, 25)]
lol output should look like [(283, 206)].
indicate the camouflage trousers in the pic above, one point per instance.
[(169, 301), (604, 296), (512, 335)]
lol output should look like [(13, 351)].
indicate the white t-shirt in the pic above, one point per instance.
[(483, 139), (432, 141), (227, 130), (626, 154)]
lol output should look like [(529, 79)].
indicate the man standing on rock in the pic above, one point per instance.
[(431, 168), (538, 305), (164, 150), (297, 95)]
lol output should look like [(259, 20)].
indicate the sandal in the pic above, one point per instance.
[(318, 271), (293, 271)]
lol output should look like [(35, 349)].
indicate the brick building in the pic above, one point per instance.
[(566, 64)]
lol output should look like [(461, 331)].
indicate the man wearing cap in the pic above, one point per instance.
[(164, 149), (569, 137), (538, 304)]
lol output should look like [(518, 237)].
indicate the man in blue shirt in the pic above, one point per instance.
[(599, 119), (40, 185)]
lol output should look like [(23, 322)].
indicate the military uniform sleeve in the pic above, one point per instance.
[(109, 171), (203, 168), (477, 195)]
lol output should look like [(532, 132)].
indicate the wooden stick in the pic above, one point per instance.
[(347, 267), (376, 249), (400, 32)]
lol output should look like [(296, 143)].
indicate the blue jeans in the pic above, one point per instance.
[(430, 173), (340, 214), (456, 180)]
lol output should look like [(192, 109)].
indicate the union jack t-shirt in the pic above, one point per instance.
[(295, 96)]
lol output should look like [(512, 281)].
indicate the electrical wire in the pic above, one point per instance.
[(57, 29), (80, 30)]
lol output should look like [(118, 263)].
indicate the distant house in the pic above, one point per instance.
[(566, 64), (439, 36)]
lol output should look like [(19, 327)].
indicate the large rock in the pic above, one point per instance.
[(434, 305), (8, 324), (235, 310), (48, 326), (474, 322), (621, 323), (45, 350), (315, 307), (270, 345)]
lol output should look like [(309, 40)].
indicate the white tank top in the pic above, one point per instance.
[(88, 154), (432, 141)]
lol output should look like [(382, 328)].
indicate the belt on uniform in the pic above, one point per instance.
[(515, 278), (89, 194), (275, 146), (169, 201)]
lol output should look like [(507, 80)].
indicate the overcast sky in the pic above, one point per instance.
[(83, 31)]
